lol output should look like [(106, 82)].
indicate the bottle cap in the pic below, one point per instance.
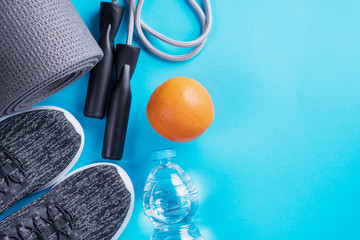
[(163, 154)]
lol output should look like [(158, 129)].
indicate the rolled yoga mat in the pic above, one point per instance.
[(44, 46)]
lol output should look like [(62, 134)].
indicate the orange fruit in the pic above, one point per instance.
[(180, 109)]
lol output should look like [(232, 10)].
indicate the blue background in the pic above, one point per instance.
[(281, 159)]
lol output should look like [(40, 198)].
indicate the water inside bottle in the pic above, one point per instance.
[(171, 200)]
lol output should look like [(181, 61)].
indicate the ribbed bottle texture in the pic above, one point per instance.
[(170, 199)]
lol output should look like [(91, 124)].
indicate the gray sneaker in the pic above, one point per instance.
[(37, 148), (92, 203)]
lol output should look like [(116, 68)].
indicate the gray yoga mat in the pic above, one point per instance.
[(44, 46)]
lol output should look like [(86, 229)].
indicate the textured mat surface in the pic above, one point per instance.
[(44, 46)]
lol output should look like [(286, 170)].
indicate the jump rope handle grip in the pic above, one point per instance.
[(120, 102), (101, 75)]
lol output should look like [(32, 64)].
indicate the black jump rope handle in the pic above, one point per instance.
[(119, 102), (101, 75)]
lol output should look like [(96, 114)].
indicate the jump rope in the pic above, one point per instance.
[(135, 19), (117, 99)]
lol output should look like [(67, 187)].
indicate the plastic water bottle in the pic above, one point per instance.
[(170, 199)]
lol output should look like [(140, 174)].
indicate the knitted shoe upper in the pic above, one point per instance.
[(40, 143), (91, 204)]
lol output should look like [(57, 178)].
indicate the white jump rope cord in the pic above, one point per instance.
[(135, 20)]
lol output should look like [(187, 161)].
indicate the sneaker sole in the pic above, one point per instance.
[(127, 181), (78, 129)]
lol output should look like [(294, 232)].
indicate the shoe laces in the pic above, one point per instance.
[(51, 221), (12, 174)]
